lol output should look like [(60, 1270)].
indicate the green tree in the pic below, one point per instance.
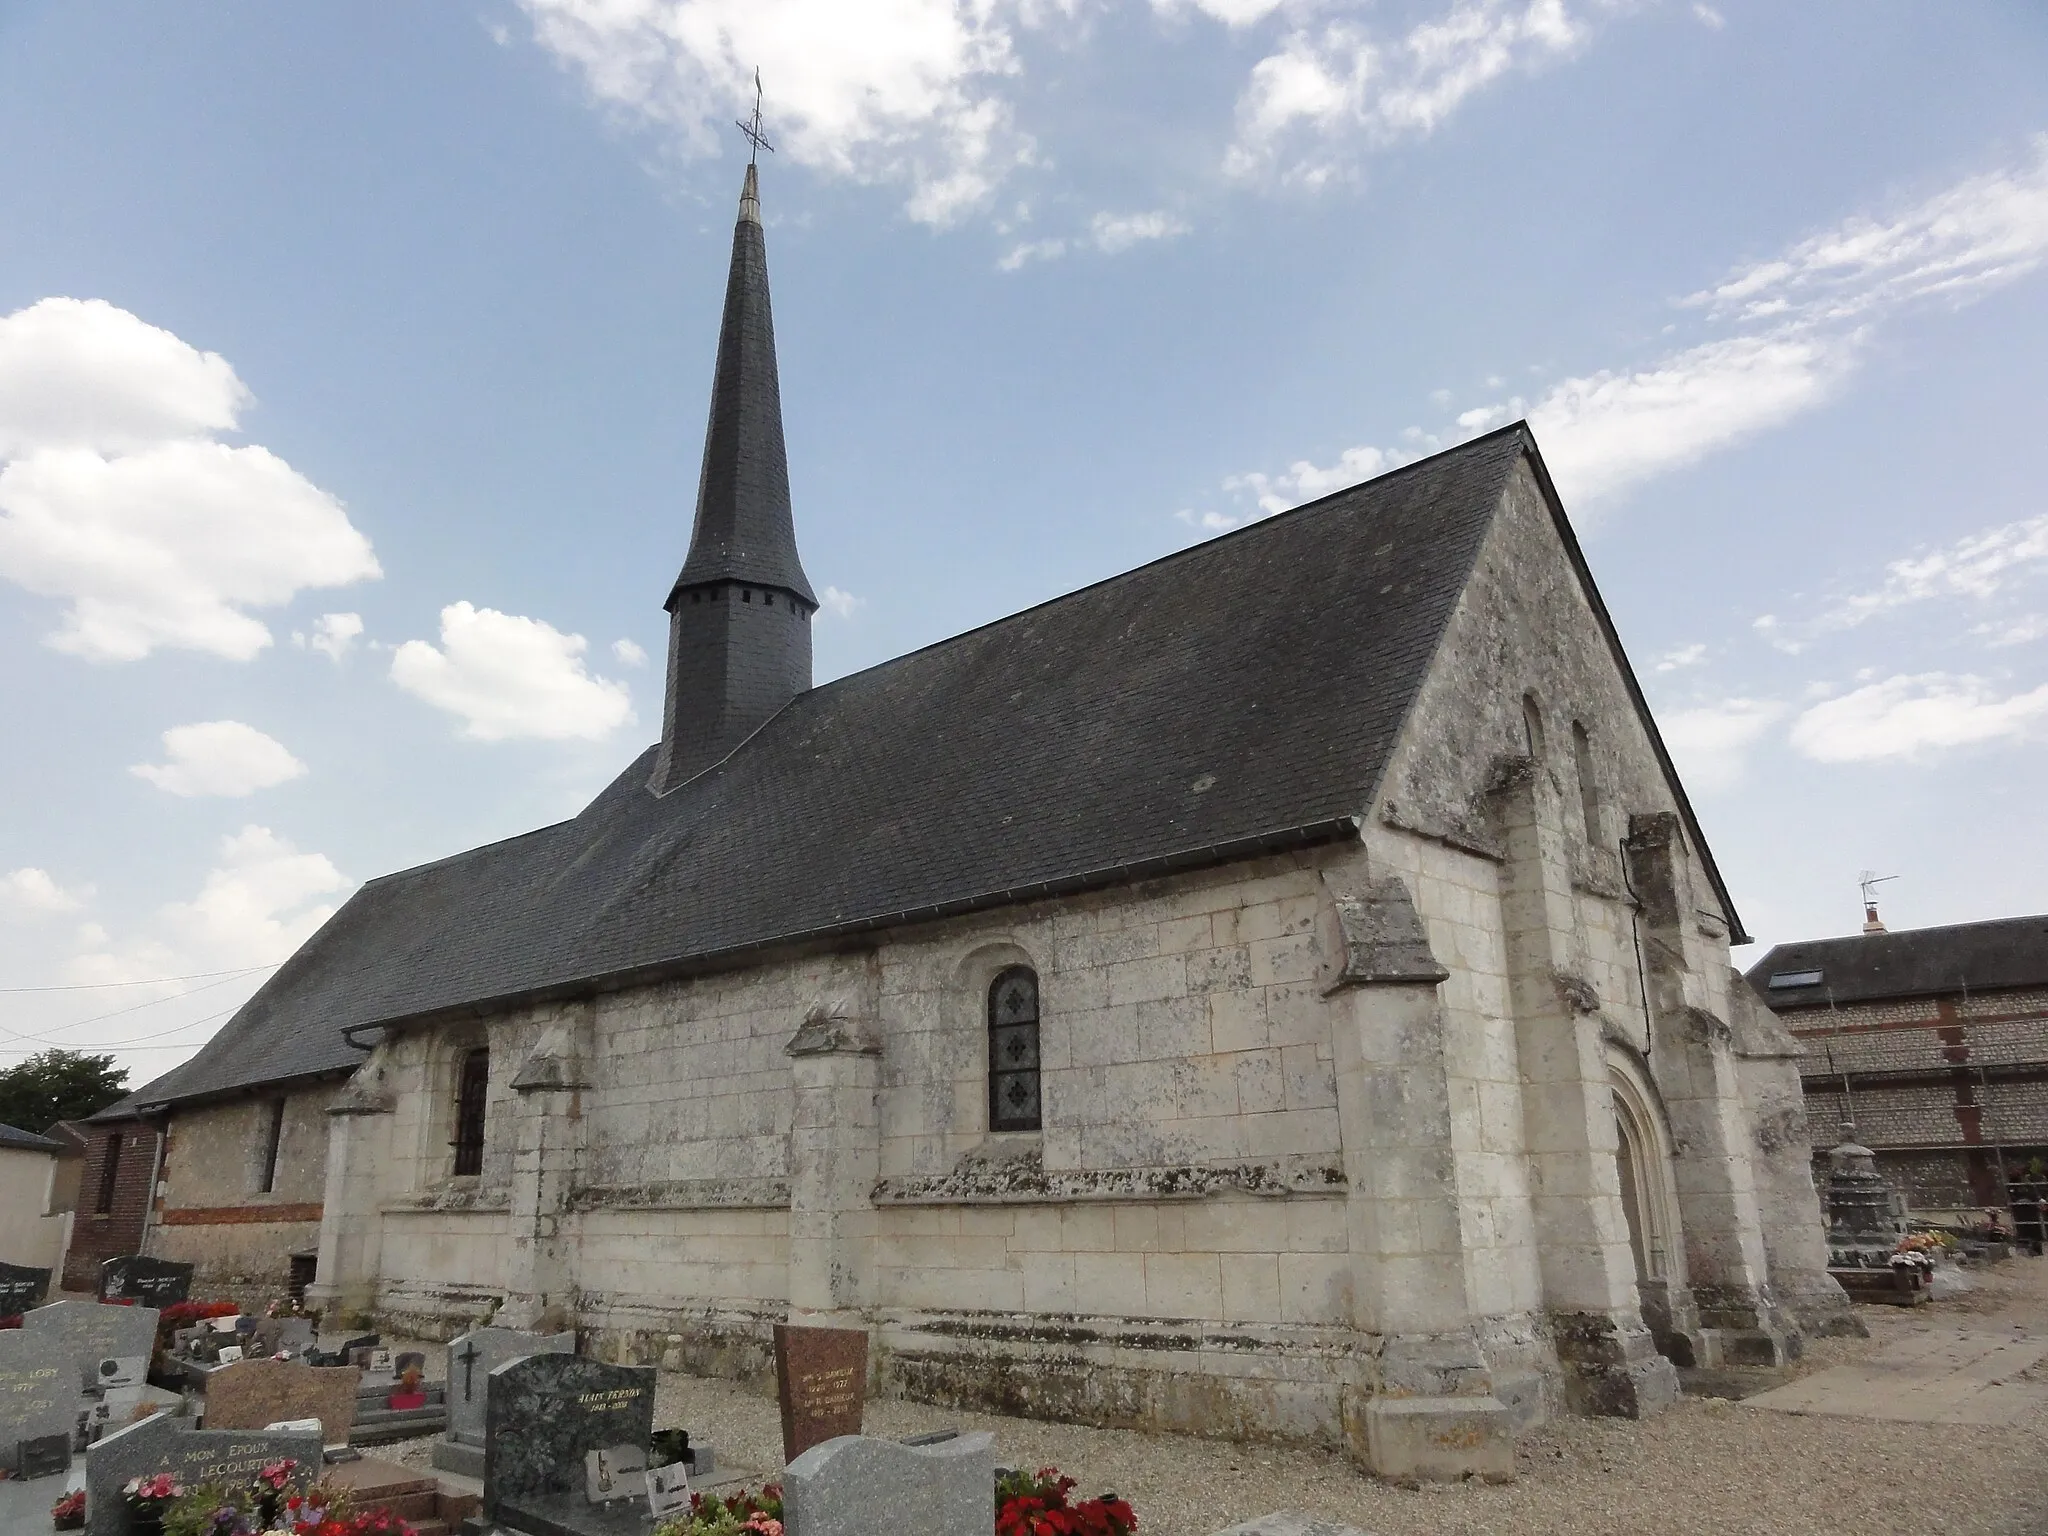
[(58, 1085)]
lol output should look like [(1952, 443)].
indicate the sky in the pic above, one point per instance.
[(354, 363)]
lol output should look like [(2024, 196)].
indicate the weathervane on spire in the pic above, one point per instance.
[(752, 128)]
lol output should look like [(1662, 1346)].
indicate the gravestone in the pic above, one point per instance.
[(821, 1381), (92, 1333), (38, 1392), (193, 1456), (471, 1359), (281, 1333), (839, 1488), (543, 1413), (21, 1288), (252, 1393), (145, 1281)]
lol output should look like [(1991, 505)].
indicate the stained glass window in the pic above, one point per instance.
[(1013, 1051)]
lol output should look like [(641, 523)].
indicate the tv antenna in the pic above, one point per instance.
[(1868, 881)]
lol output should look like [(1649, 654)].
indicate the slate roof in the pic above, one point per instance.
[(1239, 696), (1912, 962), (1920, 1049), (744, 530), (29, 1140)]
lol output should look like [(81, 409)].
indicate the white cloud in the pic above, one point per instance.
[(1710, 743), (334, 635), (1984, 230), (1232, 13), (1977, 566), (1340, 82), (1912, 716), (32, 892), (79, 373), (1610, 430), (1709, 17), (877, 90), (254, 907), (511, 678), (1679, 656), (1031, 250), (2033, 626), (1798, 328), (220, 757), (1208, 522), (1303, 481), (840, 605), (1114, 232), (629, 652), (115, 500)]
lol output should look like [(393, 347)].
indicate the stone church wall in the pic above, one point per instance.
[(1186, 1243), (215, 1213)]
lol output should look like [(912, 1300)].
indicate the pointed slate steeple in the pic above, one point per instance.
[(740, 611)]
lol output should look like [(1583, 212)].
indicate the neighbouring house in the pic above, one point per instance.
[(34, 1224), (117, 1172), (1279, 991), (1933, 1042)]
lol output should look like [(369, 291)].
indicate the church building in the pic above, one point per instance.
[(1278, 992)]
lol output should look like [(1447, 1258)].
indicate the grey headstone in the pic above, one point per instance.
[(91, 1332), (162, 1444), (21, 1288), (145, 1281), (38, 1391), (544, 1412), (1290, 1525), (292, 1333), (836, 1488), (469, 1374)]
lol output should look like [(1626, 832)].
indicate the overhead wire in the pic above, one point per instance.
[(146, 981), (15, 1034), (112, 1045)]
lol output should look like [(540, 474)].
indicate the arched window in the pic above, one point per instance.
[(1013, 1050), (1589, 786), (1532, 725), (471, 1088)]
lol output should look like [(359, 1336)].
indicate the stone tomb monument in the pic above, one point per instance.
[(855, 1486), (281, 1333), (147, 1282), (194, 1456), (543, 1413), (21, 1288), (91, 1333), (38, 1393), (471, 1359), (821, 1382), (252, 1393)]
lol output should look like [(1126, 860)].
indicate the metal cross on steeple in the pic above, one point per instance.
[(752, 128)]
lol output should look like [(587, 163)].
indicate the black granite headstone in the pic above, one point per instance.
[(22, 1288), (545, 1412), (44, 1456), (145, 1281)]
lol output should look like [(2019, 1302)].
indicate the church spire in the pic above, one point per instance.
[(740, 611)]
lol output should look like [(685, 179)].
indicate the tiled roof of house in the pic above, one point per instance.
[(10, 1136), (1913, 962)]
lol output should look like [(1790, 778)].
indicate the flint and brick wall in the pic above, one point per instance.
[(97, 1235)]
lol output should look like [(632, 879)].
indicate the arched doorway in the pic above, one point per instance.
[(1649, 1201)]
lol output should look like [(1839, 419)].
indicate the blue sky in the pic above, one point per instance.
[(353, 367)]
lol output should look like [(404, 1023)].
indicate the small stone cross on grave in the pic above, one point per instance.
[(469, 1354)]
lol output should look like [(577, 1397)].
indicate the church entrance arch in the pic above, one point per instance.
[(1649, 1196)]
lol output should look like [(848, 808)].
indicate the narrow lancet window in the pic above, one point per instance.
[(1589, 784), (470, 1090), (1013, 1051), (272, 1141)]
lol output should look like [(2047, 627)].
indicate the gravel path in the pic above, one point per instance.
[(1708, 1467)]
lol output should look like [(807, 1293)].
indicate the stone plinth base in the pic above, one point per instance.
[(1439, 1439), (454, 1456)]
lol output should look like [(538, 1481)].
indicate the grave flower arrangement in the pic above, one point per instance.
[(1036, 1504), (406, 1393), (743, 1514), (277, 1503), (68, 1513), (150, 1499)]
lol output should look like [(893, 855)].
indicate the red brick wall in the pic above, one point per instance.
[(96, 1235)]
